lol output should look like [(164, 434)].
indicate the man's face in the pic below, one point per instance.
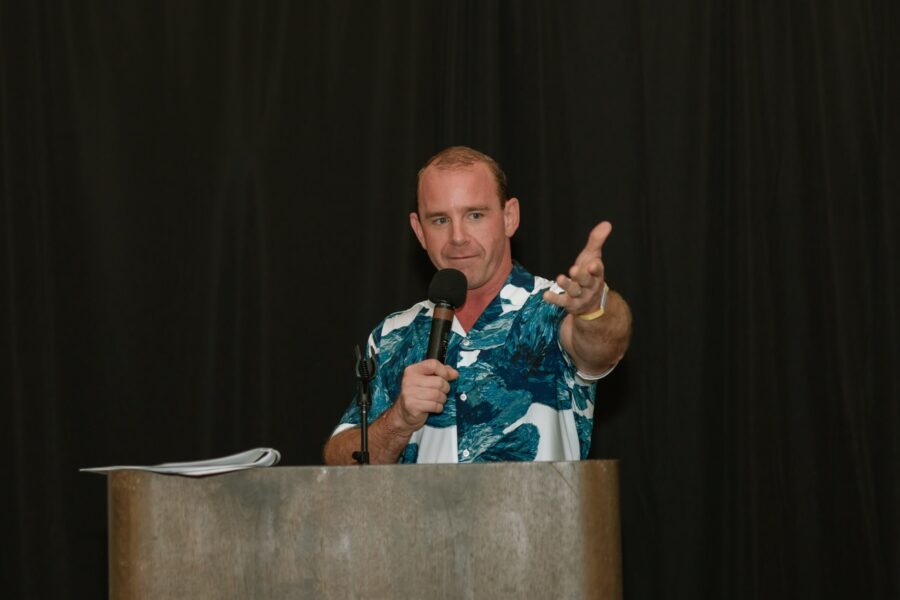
[(461, 224)]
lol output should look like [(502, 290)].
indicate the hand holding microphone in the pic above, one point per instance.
[(423, 391), (425, 384)]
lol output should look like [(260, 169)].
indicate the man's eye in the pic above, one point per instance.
[(476, 215), (439, 220)]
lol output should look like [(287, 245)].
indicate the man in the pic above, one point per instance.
[(524, 353)]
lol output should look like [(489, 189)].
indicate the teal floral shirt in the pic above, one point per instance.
[(519, 397)]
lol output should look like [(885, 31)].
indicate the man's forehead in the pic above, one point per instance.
[(457, 177)]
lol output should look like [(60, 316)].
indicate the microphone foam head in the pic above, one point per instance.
[(448, 286)]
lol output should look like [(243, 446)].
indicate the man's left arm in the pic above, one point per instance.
[(595, 336)]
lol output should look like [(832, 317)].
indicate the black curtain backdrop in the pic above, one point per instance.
[(204, 207)]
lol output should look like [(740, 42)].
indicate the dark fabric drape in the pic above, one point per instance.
[(204, 207)]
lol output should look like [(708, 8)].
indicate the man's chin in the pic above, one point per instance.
[(470, 271)]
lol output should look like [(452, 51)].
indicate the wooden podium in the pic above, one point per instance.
[(501, 530)]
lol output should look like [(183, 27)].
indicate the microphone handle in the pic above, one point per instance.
[(441, 324)]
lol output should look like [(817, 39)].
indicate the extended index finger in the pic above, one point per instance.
[(596, 240)]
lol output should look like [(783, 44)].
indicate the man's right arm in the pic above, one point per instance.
[(423, 391)]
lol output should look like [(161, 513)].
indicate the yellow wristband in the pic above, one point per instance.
[(599, 312)]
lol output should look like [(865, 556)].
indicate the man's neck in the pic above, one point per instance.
[(478, 300)]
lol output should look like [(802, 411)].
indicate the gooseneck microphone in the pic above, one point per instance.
[(448, 292), (365, 372)]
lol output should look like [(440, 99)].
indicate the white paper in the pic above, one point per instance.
[(251, 459)]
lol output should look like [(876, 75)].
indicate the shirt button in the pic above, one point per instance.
[(463, 396), (465, 454), (466, 342)]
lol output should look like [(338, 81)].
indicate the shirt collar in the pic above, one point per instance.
[(519, 285)]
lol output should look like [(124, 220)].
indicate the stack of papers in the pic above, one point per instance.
[(258, 457)]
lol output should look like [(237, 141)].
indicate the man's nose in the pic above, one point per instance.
[(458, 233)]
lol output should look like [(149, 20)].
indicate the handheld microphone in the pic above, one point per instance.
[(448, 291)]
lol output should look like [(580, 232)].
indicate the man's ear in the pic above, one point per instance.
[(417, 228), (511, 216)]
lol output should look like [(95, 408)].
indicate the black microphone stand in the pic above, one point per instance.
[(365, 372)]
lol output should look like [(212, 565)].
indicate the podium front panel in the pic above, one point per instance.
[(501, 530)]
